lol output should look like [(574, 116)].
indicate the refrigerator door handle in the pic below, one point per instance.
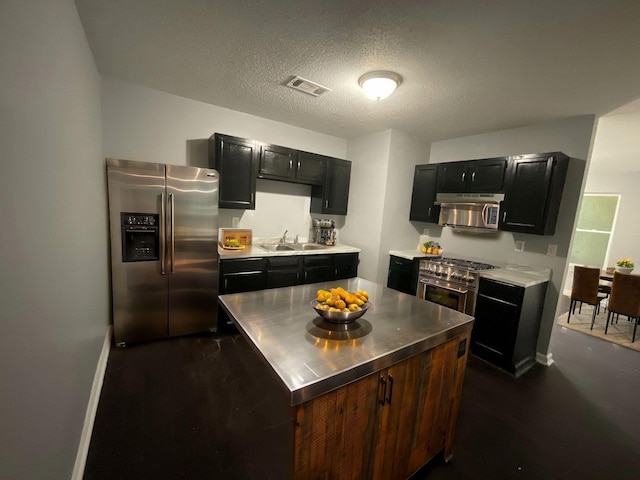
[(163, 234), (173, 243)]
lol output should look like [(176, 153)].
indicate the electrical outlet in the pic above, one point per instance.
[(552, 250), (235, 221), (519, 245)]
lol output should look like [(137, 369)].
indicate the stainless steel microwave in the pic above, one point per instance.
[(477, 213)]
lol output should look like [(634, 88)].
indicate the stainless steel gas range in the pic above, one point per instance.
[(452, 282)]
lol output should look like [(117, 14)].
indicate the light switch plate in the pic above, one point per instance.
[(425, 232), (519, 245), (552, 250), (235, 221)]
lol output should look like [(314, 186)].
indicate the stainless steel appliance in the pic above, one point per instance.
[(324, 232), (470, 212), (452, 282), (164, 256)]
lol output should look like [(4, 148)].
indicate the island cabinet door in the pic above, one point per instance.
[(335, 433), (387, 425), (420, 406)]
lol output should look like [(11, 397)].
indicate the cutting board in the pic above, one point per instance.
[(243, 236)]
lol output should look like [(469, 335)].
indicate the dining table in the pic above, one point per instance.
[(607, 275)]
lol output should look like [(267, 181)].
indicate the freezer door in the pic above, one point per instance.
[(139, 290), (192, 216)]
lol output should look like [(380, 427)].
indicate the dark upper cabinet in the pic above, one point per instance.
[(533, 193), (423, 208), (311, 168), (472, 176), (236, 159), (333, 196), (286, 164), (277, 162)]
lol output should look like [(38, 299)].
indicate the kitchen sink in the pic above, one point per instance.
[(308, 246), (279, 247), (276, 247)]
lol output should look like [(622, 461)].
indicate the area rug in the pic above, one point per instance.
[(619, 333)]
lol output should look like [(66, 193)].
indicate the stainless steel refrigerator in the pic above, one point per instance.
[(164, 255)]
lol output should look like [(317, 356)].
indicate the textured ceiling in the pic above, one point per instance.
[(468, 66)]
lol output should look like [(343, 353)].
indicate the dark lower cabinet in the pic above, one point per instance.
[(403, 274), (507, 322), (283, 271), (240, 275), (318, 268), (345, 265), (258, 273)]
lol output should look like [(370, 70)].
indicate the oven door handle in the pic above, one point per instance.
[(448, 287)]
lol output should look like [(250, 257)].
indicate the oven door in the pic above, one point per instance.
[(456, 297)]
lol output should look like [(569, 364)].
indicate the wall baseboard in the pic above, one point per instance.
[(92, 407), (546, 360)]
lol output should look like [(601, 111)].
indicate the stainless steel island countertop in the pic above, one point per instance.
[(288, 334)]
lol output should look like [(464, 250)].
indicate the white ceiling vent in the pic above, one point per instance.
[(307, 86)]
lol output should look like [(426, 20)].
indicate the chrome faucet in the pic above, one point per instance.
[(284, 237)]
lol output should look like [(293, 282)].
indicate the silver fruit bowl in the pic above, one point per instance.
[(340, 317)]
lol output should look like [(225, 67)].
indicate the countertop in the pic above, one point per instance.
[(508, 272), (283, 328), (255, 251)]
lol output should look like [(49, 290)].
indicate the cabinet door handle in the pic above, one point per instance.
[(252, 198), (429, 212), (473, 177), (290, 164), (326, 204), (390, 389), (504, 216), (298, 165), (464, 174), (383, 381), (226, 283)]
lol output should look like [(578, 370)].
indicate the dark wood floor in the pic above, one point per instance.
[(186, 408)]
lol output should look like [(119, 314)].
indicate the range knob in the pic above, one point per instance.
[(471, 279)]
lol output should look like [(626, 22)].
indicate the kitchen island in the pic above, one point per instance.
[(375, 399)]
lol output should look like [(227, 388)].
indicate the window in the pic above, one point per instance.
[(596, 222)]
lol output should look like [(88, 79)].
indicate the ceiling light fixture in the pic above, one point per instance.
[(379, 84)]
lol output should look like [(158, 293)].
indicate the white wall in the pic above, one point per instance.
[(572, 136), (367, 194), (615, 168), (397, 232), (53, 251), (147, 125)]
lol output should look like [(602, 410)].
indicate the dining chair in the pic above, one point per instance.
[(585, 290), (625, 300)]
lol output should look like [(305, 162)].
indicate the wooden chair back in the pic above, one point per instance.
[(585, 284), (625, 295)]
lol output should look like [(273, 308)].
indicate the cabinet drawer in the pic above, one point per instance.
[(400, 263), (318, 260), (277, 263), (500, 290), (283, 278), (243, 265), (243, 282), (345, 259)]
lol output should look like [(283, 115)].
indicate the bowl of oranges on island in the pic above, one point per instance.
[(341, 306)]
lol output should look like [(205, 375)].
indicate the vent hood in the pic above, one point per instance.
[(453, 198)]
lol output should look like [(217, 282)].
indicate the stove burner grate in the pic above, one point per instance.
[(465, 264)]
